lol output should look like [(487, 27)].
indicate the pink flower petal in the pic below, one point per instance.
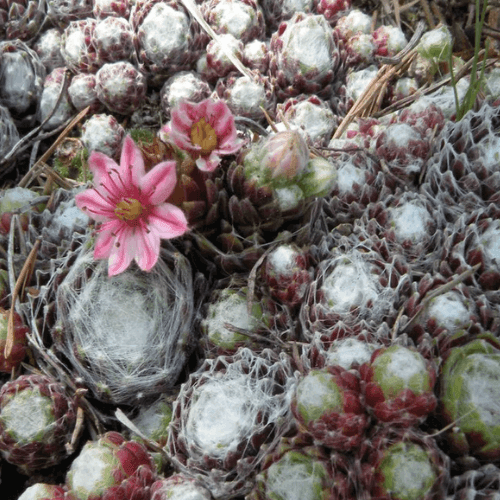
[(208, 163), (100, 165), (168, 221), (106, 239), (131, 162), (147, 250), (95, 205), (122, 252), (196, 110), (180, 121), (157, 185)]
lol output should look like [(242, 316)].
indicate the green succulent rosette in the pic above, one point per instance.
[(402, 464), (292, 471), (470, 397)]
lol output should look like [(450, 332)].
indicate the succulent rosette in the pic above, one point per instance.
[(448, 315), (461, 173), (327, 405), (183, 85), (468, 398), (354, 282), (82, 93), (404, 148), (218, 64), (166, 39), (18, 350), (246, 96), (48, 48), (286, 273), (277, 11), (113, 39), (21, 19), (389, 40), (44, 491), (402, 464), (349, 350), (293, 471), (153, 421), (113, 8), (109, 468), (77, 49), (124, 354), (21, 76), (398, 385), (332, 9), (293, 66), (256, 56), (411, 223), (354, 22), (241, 18), (62, 12), (37, 420), (178, 487), (52, 87), (228, 320), (206, 130), (359, 182), (311, 115), (103, 133), (223, 450), (474, 240), (121, 87)]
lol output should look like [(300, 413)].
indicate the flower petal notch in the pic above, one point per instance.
[(130, 206), (205, 130)]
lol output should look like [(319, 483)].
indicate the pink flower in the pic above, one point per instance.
[(129, 204), (205, 130)]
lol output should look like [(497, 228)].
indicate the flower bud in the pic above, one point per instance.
[(286, 154)]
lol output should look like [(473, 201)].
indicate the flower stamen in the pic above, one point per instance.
[(128, 209), (203, 135)]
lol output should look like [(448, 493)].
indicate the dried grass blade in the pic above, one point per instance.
[(25, 272), (195, 12)]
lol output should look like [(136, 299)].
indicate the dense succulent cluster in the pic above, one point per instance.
[(248, 287)]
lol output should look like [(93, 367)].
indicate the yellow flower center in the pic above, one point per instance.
[(202, 134), (128, 209)]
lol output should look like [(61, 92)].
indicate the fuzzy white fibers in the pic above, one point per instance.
[(27, 415), (410, 221), (348, 175), (226, 403), (450, 311), (127, 335), (481, 381), (350, 284), (38, 491), (346, 352), (491, 242), (165, 33), (289, 479)]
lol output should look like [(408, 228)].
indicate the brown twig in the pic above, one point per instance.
[(40, 164), (371, 93), (397, 14), (428, 13), (403, 103), (21, 280)]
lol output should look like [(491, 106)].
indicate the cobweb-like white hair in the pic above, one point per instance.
[(223, 415), (127, 336)]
